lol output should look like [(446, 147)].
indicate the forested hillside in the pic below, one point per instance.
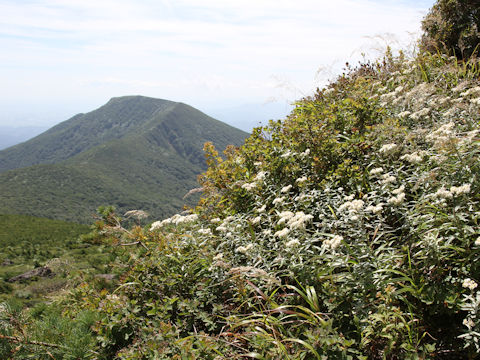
[(134, 152)]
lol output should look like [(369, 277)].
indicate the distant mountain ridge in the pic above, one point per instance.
[(133, 152)]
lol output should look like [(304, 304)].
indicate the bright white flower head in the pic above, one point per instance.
[(443, 193), (458, 190), (282, 233), (469, 284), (477, 242), (413, 158), (387, 149), (261, 209), (221, 228), (260, 176), (215, 220), (399, 190), (388, 179), (243, 249), (278, 200), (286, 189), (397, 200), (334, 242), (249, 186), (292, 243), (469, 323), (204, 231), (301, 180), (376, 171), (256, 220)]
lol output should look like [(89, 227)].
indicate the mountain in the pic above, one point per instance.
[(10, 135), (134, 153)]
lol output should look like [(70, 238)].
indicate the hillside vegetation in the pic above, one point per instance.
[(350, 230), (134, 152)]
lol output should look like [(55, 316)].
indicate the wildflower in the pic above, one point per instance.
[(443, 193), (299, 220), (256, 220), (286, 154), (413, 158), (155, 225), (399, 190), (352, 206), (349, 198), (282, 233), (292, 243), (458, 190), (260, 176), (286, 189), (301, 180), (249, 186), (397, 200), (404, 114), (334, 242), (262, 209), (243, 249), (375, 209), (387, 149), (328, 91), (221, 228), (278, 200), (257, 163), (376, 171), (469, 284), (215, 220), (219, 256), (471, 91), (205, 231), (387, 179), (285, 216), (420, 113), (138, 214), (475, 101), (229, 218), (305, 153), (267, 232), (477, 242)]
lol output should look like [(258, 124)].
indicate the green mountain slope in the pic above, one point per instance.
[(133, 152)]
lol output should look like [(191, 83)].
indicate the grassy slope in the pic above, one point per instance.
[(151, 166)]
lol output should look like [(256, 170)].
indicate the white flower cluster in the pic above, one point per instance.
[(442, 135), (421, 113), (388, 179), (286, 189), (388, 149), (249, 186), (204, 231), (376, 171), (261, 209), (278, 200), (375, 208), (260, 176), (474, 90), (353, 206), (469, 284), (334, 242), (301, 180), (443, 193), (292, 243), (296, 220), (413, 158), (397, 200), (244, 249), (175, 220)]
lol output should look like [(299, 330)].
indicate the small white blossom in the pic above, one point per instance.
[(420, 113), (261, 209), (249, 186), (286, 154), (204, 231), (469, 284), (221, 228), (292, 243), (388, 149), (376, 171), (301, 180), (267, 232), (375, 209), (256, 220), (215, 220), (334, 242), (458, 190), (404, 114), (278, 200), (477, 242), (243, 249), (413, 158), (443, 193), (260, 176), (219, 256), (397, 200), (388, 179), (399, 190), (282, 233), (286, 189)]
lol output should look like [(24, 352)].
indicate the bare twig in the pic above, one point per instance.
[(30, 342)]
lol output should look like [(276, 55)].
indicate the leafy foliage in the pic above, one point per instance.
[(453, 27), (350, 230)]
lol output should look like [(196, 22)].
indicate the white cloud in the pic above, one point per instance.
[(200, 52)]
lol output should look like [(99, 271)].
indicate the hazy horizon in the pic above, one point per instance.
[(59, 59)]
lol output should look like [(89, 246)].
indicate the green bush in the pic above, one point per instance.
[(452, 27)]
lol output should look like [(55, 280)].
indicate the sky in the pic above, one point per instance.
[(62, 57)]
